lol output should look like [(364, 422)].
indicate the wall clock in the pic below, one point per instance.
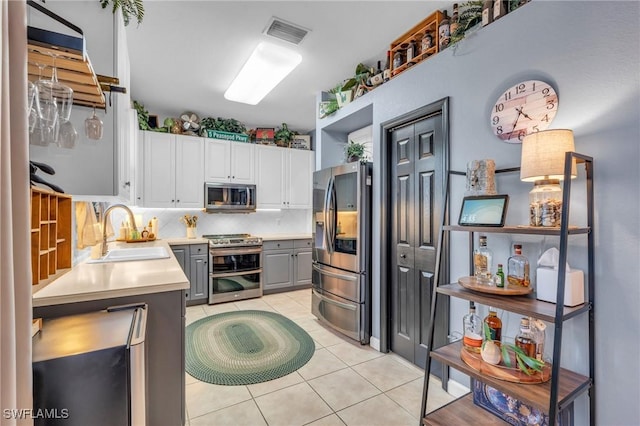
[(523, 108)]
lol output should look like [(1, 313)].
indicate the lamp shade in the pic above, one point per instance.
[(543, 155)]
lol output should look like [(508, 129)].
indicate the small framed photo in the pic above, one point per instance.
[(484, 210), (265, 135), (153, 121)]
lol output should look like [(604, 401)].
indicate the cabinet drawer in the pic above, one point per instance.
[(198, 249), (302, 243), (276, 245)]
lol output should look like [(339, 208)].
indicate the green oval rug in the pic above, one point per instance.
[(245, 347)]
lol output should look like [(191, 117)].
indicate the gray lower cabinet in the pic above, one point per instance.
[(286, 265), (194, 260)]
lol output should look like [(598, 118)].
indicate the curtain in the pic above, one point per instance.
[(15, 264)]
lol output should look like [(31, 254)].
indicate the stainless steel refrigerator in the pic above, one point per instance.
[(341, 231)]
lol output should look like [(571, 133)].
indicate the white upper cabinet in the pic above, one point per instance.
[(283, 178), (229, 161), (173, 171)]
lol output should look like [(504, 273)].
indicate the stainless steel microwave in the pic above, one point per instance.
[(229, 198)]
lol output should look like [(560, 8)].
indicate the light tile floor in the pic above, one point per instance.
[(344, 383)]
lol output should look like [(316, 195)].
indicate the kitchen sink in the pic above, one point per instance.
[(131, 254)]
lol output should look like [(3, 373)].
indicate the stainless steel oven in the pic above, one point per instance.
[(235, 270)]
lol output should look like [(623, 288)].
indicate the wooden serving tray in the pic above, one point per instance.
[(502, 372), (472, 283)]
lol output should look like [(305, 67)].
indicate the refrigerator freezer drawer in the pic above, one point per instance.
[(338, 282), (344, 316)]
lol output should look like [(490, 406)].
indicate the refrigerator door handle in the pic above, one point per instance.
[(328, 212), (336, 303), (333, 274)]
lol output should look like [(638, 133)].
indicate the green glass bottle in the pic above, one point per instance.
[(499, 278)]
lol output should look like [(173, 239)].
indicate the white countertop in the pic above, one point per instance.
[(278, 237), (96, 281)]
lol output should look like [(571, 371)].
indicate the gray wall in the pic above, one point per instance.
[(589, 51)]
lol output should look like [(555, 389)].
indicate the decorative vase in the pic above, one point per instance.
[(191, 232)]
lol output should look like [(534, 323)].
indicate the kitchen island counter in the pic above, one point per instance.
[(97, 281)]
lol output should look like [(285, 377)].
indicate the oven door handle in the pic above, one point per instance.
[(235, 274), (231, 251)]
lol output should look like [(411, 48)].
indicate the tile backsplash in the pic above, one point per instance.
[(261, 222)]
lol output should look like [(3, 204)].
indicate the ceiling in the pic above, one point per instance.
[(185, 54)]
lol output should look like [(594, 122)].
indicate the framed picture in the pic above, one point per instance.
[(301, 142), (265, 135), (483, 210), (153, 121)]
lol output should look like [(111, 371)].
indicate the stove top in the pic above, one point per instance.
[(232, 240)]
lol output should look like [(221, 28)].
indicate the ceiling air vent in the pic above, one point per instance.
[(286, 31)]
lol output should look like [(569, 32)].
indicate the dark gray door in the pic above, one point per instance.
[(199, 277), (417, 171)]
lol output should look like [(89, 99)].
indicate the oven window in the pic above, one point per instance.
[(234, 263), (235, 283)]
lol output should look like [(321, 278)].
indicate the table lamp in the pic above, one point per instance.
[(542, 162)]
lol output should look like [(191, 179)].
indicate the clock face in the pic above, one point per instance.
[(524, 108)]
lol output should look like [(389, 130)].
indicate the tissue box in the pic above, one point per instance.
[(547, 286)]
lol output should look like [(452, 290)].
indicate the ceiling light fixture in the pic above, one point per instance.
[(267, 66)]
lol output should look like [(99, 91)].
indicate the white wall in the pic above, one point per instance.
[(590, 52)]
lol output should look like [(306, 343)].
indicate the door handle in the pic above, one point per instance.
[(403, 256), (334, 275), (336, 303)]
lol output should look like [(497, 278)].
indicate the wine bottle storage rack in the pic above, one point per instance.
[(50, 233), (430, 24)]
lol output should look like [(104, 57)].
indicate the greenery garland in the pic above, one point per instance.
[(130, 8)]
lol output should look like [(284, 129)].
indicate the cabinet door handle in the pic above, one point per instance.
[(403, 256), (228, 177), (177, 201), (172, 201)]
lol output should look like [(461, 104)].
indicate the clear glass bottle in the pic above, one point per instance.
[(495, 326), (472, 331), (538, 329), (518, 268), (398, 58), (498, 279), (482, 258), (545, 203), (525, 340)]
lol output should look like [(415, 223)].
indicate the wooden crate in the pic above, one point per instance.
[(51, 233), (430, 24)]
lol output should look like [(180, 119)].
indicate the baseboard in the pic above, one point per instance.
[(456, 389), (374, 342)]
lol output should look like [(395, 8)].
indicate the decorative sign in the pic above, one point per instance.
[(227, 136), (265, 135)]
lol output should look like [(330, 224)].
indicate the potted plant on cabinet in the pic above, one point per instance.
[(283, 136)]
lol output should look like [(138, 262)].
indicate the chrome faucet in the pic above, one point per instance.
[(105, 216)]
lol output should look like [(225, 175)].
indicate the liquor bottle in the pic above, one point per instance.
[(453, 27), (487, 12), (495, 326), (444, 31), (518, 268), (499, 9), (472, 331), (498, 279), (482, 258), (426, 43), (525, 340), (538, 329), (386, 74), (411, 53)]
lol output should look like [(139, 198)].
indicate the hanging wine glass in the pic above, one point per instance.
[(37, 130), (55, 103), (93, 126)]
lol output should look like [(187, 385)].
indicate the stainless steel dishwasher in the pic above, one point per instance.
[(91, 368)]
